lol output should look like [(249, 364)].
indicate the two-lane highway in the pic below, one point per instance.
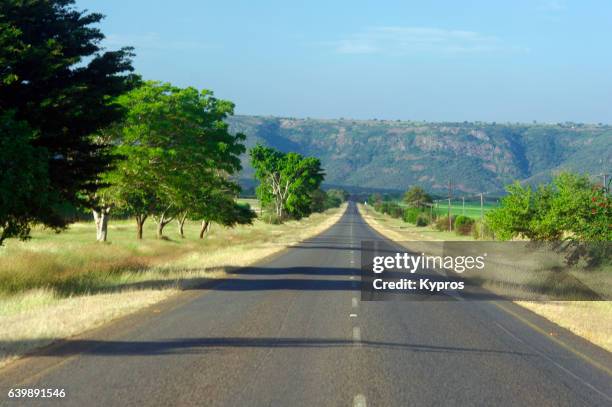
[(293, 332)]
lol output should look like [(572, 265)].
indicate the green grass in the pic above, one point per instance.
[(471, 209)]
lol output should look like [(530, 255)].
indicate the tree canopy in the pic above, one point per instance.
[(56, 91), (177, 155), (287, 180), (571, 207), (417, 197)]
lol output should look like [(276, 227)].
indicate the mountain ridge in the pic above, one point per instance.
[(474, 156)]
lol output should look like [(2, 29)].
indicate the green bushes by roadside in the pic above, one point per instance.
[(464, 225), (422, 220), (410, 215), (442, 223)]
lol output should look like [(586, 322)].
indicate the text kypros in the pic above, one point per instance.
[(410, 263)]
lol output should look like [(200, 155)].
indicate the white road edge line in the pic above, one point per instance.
[(569, 372), (354, 302), (359, 401)]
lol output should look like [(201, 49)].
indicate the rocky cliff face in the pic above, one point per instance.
[(475, 156)]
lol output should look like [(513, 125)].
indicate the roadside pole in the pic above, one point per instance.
[(481, 215), (450, 195)]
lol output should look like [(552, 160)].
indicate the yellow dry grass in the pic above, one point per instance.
[(57, 286)]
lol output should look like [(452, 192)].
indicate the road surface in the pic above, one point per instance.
[(292, 332)]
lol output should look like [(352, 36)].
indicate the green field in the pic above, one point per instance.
[(471, 209)]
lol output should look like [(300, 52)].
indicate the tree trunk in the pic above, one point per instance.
[(160, 229), (181, 224), (279, 209), (101, 220), (203, 228), (140, 220)]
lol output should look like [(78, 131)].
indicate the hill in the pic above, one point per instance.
[(376, 154)]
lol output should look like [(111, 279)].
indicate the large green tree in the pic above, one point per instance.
[(287, 180), (24, 185), (176, 153), (571, 207), (417, 197), (55, 78)]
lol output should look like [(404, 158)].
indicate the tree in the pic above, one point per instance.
[(417, 197), (321, 200), (24, 182), (176, 153), (340, 194), (286, 180), (571, 207), (55, 78)]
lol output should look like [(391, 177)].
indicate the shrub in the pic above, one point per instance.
[(464, 225), (482, 231), (272, 219), (395, 211), (422, 220), (410, 215), (442, 223)]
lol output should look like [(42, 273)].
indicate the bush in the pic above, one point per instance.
[(410, 215), (442, 223), (464, 225), (482, 231), (395, 211), (422, 220), (272, 219)]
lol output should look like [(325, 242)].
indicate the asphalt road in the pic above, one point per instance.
[(293, 332)]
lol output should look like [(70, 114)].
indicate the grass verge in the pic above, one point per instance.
[(57, 286), (591, 320)]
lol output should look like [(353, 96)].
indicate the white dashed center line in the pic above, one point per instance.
[(356, 334)]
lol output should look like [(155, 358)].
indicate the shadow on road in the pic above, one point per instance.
[(202, 345)]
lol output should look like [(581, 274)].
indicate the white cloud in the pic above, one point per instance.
[(151, 41), (407, 40)]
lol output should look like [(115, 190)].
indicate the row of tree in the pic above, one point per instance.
[(78, 129), (175, 157), (570, 207)]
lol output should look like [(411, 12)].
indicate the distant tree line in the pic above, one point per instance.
[(571, 207)]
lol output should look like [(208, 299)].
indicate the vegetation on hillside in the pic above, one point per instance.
[(476, 157)]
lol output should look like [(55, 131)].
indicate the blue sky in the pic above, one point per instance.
[(520, 60)]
